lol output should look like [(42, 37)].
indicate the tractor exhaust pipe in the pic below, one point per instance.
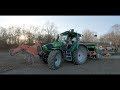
[(72, 30)]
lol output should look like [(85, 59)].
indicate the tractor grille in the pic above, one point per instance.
[(49, 46)]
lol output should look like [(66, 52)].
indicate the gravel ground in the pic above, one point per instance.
[(17, 65)]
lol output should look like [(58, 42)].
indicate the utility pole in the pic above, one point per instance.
[(95, 38)]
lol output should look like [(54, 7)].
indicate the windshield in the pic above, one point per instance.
[(62, 38)]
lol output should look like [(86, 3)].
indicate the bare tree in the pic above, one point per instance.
[(3, 36), (50, 30), (30, 37), (112, 36), (11, 35), (105, 38), (88, 36)]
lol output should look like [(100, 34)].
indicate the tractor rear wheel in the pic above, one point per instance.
[(54, 59), (80, 55)]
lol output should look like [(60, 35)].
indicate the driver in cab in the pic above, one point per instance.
[(69, 43)]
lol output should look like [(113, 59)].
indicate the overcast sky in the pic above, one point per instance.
[(99, 24)]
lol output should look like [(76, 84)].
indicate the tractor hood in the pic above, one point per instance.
[(50, 46), (57, 44)]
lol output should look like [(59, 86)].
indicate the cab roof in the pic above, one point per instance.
[(71, 34)]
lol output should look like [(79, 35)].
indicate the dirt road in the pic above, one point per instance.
[(17, 65)]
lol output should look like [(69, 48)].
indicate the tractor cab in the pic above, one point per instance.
[(69, 38), (71, 42)]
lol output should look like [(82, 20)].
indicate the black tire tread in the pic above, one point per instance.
[(51, 62), (75, 61)]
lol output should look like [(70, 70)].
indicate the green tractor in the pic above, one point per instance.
[(67, 47)]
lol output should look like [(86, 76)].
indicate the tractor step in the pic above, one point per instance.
[(68, 56), (68, 52)]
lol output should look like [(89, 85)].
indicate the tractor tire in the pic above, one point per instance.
[(54, 59), (44, 61), (80, 55)]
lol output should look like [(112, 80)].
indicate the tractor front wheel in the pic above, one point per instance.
[(54, 59)]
